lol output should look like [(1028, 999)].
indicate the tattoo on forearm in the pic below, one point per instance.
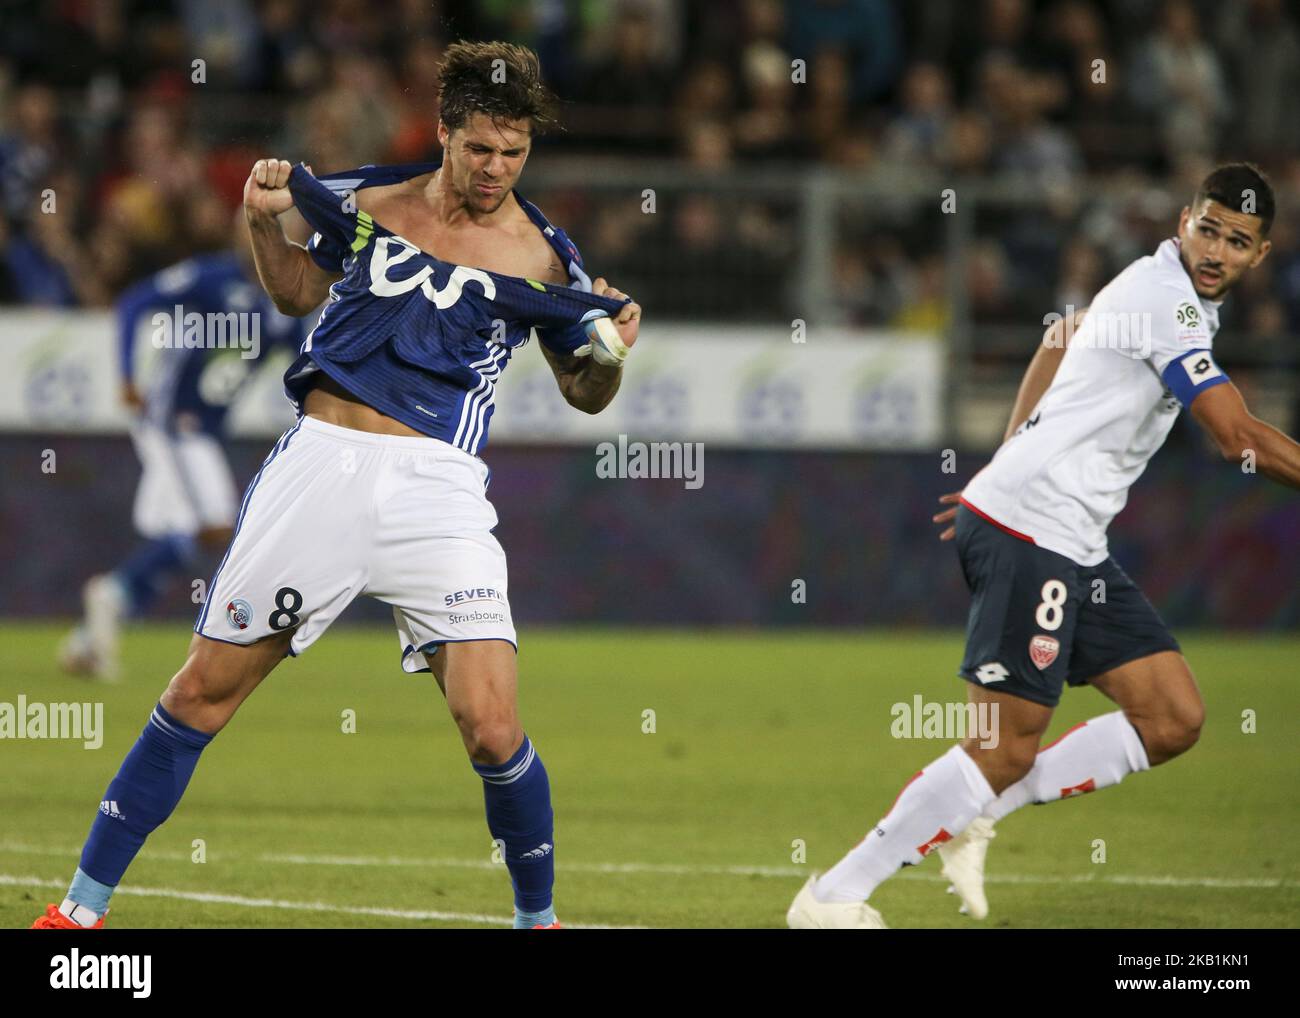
[(591, 385)]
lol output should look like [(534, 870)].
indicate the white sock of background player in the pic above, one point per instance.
[(1089, 756), (934, 806)]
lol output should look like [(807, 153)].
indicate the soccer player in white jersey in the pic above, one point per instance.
[(434, 275), (1030, 531)]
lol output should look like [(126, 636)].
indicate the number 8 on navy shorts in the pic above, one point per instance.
[(1039, 620)]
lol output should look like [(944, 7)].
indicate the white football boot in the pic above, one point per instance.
[(807, 913), (105, 604), (963, 864)]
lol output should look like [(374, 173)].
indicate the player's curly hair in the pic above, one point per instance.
[(497, 78)]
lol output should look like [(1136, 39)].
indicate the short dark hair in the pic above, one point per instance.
[(470, 80), (1230, 184)]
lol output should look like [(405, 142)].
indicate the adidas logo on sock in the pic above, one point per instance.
[(109, 808), (539, 852)]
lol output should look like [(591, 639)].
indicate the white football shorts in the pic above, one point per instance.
[(335, 513), (185, 484)]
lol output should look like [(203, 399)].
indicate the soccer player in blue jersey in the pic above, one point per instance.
[(434, 275), (186, 500)]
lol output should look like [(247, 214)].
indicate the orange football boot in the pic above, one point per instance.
[(56, 920)]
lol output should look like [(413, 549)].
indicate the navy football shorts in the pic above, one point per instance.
[(1039, 620)]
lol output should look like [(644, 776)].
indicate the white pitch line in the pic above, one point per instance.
[(685, 869), (677, 869), (704, 869), (8, 879)]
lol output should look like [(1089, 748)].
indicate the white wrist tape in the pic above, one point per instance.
[(606, 345)]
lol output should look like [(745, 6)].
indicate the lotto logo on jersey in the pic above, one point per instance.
[(239, 613), (1043, 650), (1200, 367)]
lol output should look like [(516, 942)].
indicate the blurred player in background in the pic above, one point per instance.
[(435, 274), (186, 500), (1050, 607)]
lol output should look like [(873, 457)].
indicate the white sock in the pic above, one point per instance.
[(935, 806), (79, 914), (1089, 756)]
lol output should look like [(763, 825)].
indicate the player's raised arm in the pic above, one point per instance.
[(590, 376), (295, 282), (1042, 369), (1222, 412)]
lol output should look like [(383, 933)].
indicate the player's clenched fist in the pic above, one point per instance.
[(267, 188), (628, 320)]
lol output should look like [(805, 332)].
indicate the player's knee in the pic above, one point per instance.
[(1174, 732), (198, 693), (490, 740), (188, 695), (1018, 759), (1005, 763), (194, 684)]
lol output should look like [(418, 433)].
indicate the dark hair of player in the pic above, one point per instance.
[(1238, 186), (497, 78)]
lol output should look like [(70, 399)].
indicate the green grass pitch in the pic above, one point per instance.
[(762, 741)]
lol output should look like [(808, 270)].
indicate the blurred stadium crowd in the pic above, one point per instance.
[(1076, 101)]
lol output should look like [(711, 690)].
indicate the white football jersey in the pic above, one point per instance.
[(1142, 350)]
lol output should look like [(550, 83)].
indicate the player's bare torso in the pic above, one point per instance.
[(510, 243)]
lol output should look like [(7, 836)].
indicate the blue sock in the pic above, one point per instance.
[(147, 788), (518, 798), (143, 573)]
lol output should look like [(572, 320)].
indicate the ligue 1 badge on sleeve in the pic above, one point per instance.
[(239, 613), (1043, 650)]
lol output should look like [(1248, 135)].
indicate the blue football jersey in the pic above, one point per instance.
[(419, 339), (195, 385)]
